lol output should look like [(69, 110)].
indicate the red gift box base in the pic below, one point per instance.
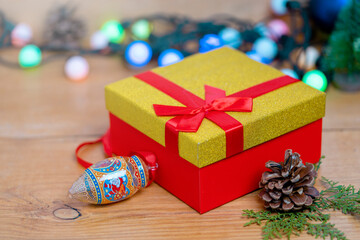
[(209, 187)]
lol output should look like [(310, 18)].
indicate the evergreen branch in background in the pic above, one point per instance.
[(311, 220)]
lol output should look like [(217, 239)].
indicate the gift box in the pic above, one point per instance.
[(213, 120)]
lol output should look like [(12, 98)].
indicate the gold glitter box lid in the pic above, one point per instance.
[(274, 113)]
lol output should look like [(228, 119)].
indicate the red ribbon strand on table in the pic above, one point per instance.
[(216, 103)]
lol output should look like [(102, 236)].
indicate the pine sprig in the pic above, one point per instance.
[(280, 224), (340, 197), (311, 220)]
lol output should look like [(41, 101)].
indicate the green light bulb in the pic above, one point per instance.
[(141, 29), (113, 31), (316, 79), (29, 56)]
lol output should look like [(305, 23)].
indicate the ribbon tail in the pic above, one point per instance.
[(240, 104), (164, 110), (190, 123)]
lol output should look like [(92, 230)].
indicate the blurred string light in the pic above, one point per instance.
[(29, 56), (262, 29), (114, 31), (99, 41), (277, 28), (315, 79), (257, 57), (76, 68), (141, 29), (279, 6), (265, 47), (231, 37), (138, 53), (290, 72), (210, 42), (21, 35), (169, 57), (169, 38), (308, 58)]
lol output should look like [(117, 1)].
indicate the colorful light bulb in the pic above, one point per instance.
[(99, 41), (29, 56), (265, 47), (113, 31), (290, 72), (231, 37), (279, 6), (308, 58), (170, 56), (262, 29), (141, 29), (210, 42), (277, 28), (138, 53), (257, 57), (21, 35), (316, 79), (76, 68)]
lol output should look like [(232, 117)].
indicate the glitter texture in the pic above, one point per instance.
[(274, 113)]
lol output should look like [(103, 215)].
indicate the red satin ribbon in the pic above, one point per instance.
[(215, 100), (105, 140), (190, 117)]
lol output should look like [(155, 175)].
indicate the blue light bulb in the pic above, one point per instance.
[(265, 47), (262, 29), (170, 56), (210, 42), (138, 53), (290, 73), (257, 57), (279, 6), (231, 37)]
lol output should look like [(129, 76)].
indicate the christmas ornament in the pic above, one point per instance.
[(170, 56), (114, 179), (21, 35), (315, 79), (63, 30), (289, 185), (29, 56), (114, 31), (138, 53), (76, 68), (99, 41)]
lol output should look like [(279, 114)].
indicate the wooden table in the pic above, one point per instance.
[(43, 117)]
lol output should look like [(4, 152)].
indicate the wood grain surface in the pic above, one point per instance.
[(44, 116)]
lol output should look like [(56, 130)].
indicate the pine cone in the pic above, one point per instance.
[(63, 30), (290, 184)]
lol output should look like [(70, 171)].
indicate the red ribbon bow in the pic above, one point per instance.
[(215, 100)]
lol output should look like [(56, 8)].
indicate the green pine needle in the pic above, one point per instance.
[(310, 220), (339, 197)]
